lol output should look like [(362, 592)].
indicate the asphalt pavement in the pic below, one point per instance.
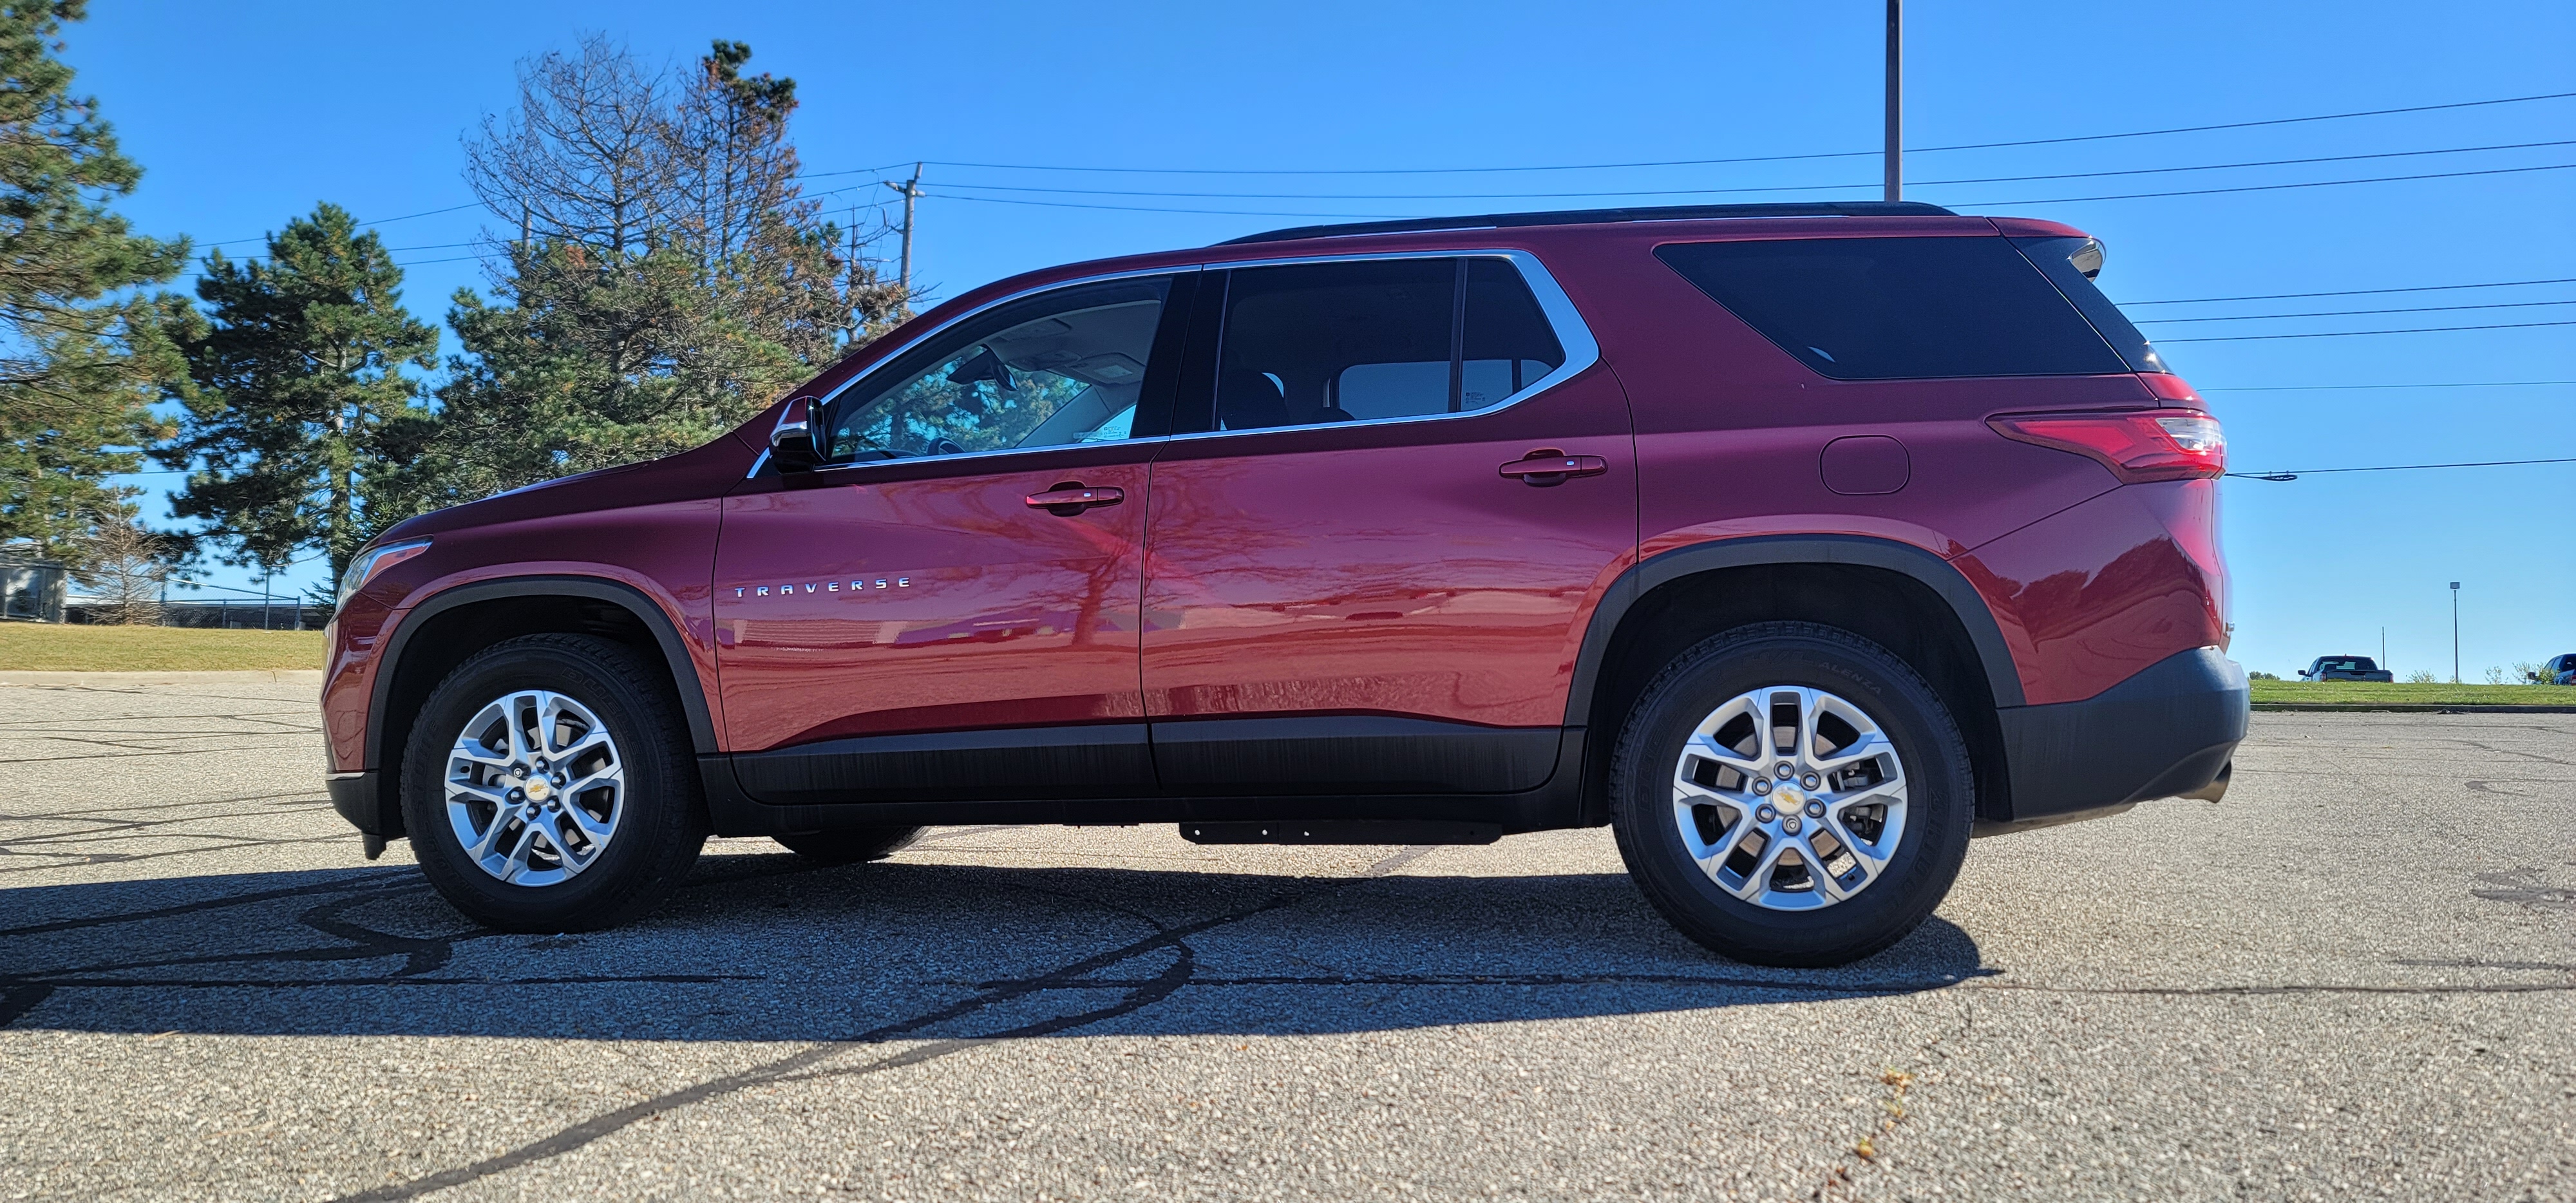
[(2354, 978)]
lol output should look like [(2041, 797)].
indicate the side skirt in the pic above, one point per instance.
[(736, 809)]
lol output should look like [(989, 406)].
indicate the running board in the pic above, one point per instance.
[(1344, 831)]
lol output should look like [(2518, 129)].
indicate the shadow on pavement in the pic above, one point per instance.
[(758, 947)]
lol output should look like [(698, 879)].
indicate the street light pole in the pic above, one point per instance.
[(2455, 632), (1895, 154)]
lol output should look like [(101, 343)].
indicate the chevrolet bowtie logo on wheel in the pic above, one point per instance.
[(857, 586)]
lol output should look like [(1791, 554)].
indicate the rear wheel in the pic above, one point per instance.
[(1791, 794), (548, 786), (850, 846)]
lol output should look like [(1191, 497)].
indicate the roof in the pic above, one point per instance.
[(1572, 217)]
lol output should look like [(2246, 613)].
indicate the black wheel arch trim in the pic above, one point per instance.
[(666, 636), (1753, 551)]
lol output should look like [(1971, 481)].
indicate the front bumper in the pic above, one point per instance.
[(2168, 731)]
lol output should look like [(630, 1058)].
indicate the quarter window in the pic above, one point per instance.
[(1053, 371), (1884, 308), (1305, 344)]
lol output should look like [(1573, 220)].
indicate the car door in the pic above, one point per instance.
[(946, 607), (1370, 564)]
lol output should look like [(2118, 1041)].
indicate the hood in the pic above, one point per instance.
[(707, 471)]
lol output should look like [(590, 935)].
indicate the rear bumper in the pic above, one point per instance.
[(2168, 731)]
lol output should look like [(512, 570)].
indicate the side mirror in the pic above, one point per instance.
[(791, 442)]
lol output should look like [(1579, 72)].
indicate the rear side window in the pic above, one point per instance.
[(1306, 344), (1889, 308)]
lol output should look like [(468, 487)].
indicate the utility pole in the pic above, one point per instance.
[(1895, 156), (911, 190), (2455, 632)]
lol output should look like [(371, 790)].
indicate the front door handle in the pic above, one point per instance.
[(1547, 467), (1073, 497)]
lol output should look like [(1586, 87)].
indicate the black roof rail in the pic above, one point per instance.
[(1579, 217)]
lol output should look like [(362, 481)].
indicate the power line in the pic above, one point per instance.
[(1591, 166), (2240, 338), (2384, 179), (2350, 292), (816, 175), (2266, 317), (2307, 388), (2439, 175), (1845, 154), (1999, 179), (1003, 200), (386, 222), (2494, 463)]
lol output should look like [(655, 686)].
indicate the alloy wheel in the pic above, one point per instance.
[(535, 788), (1790, 798)]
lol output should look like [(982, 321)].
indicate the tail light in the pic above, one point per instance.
[(2136, 445)]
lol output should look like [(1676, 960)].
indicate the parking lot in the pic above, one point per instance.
[(2356, 977)]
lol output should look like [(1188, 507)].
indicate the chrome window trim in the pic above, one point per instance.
[(986, 307), (1573, 335)]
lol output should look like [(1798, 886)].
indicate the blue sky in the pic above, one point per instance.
[(246, 114)]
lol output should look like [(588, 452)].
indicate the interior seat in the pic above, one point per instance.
[(1247, 400)]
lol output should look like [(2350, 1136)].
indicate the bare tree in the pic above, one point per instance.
[(585, 157), (127, 569), (658, 274)]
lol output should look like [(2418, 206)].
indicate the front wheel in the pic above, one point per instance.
[(1791, 794), (548, 786)]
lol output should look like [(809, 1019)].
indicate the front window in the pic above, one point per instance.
[(1058, 370)]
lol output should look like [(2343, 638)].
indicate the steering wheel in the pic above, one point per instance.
[(943, 447)]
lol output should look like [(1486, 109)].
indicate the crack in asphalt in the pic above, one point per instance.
[(300, 794), (1836, 990), (799, 1066), (424, 960), (2523, 887), (356, 880)]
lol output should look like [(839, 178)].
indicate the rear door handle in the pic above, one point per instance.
[(1073, 497), (1549, 467)]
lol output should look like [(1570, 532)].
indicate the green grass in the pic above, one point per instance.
[(2444, 694), (49, 646)]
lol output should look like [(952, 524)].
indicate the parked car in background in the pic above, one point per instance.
[(1888, 530), (2345, 668), (2557, 670)]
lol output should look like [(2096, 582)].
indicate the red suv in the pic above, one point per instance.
[(1796, 543)]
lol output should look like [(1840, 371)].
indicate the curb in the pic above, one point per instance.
[(2419, 707), (300, 676)]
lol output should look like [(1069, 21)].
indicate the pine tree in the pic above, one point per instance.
[(293, 373), (80, 350)]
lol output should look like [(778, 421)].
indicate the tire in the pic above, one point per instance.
[(851, 846), (1851, 685), (640, 787)]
